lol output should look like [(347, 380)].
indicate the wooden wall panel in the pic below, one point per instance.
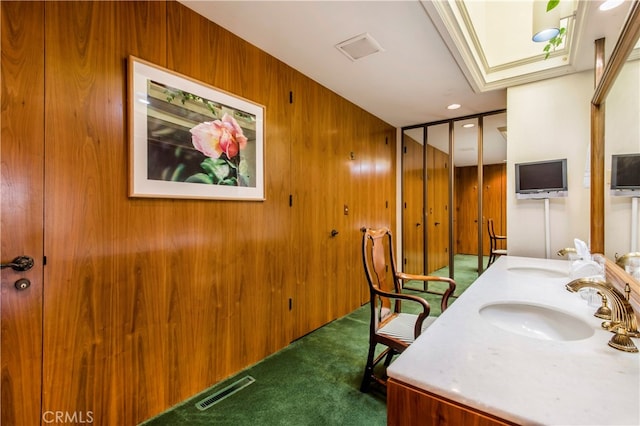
[(437, 209), (107, 284), (466, 222), (413, 202), (494, 200), (493, 204), (149, 301), (22, 185)]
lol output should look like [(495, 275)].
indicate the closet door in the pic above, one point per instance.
[(22, 200), (437, 211), (413, 189)]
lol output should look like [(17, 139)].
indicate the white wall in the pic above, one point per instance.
[(546, 120), (622, 136)]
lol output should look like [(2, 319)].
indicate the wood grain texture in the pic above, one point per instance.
[(493, 205), (597, 178), (409, 406), (437, 209), (149, 301), (413, 205), (22, 186)]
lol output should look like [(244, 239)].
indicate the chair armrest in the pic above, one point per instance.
[(408, 277), (426, 309), (445, 297)]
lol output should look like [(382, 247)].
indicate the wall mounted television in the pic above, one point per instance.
[(625, 175), (542, 179)]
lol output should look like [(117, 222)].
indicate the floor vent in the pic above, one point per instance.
[(214, 398)]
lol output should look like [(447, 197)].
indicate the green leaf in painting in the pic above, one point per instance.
[(200, 178), (177, 172), (216, 167)]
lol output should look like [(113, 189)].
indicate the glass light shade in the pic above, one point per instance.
[(545, 25)]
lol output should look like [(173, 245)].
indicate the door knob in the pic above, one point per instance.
[(20, 263)]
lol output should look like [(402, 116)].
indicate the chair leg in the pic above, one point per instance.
[(389, 358), (368, 369)]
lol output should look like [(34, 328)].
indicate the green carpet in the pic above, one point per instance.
[(313, 381)]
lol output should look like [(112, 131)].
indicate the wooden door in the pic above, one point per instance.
[(412, 206), (493, 202), (22, 153), (318, 222), (466, 210), (437, 209)]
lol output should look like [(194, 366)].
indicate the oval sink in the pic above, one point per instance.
[(538, 272), (536, 321)]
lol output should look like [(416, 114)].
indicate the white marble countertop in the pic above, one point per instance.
[(464, 357)]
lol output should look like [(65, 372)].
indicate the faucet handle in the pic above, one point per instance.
[(622, 341), (603, 312)]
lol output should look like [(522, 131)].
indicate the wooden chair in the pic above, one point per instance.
[(494, 242), (390, 325)]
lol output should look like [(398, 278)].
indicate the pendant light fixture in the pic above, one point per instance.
[(545, 25)]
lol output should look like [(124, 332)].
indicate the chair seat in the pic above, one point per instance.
[(401, 327), (500, 251)]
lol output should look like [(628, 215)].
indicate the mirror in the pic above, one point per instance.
[(622, 136), (413, 201), (444, 215), (437, 208), (466, 221), (494, 179)]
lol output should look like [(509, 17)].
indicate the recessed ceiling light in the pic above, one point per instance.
[(453, 106), (468, 125), (610, 4)]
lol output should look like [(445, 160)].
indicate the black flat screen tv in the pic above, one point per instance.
[(542, 179), (625, 172)]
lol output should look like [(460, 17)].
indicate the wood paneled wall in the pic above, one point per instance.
[(493, 206), (437, 209), (149, 301)]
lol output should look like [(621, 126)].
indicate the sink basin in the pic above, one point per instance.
[(538, 272), (536, 321)]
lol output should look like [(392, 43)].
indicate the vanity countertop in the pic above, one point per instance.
[(464, 357)]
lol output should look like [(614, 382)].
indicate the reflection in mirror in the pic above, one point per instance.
[(622, 136), (494, 184), (437, 210), (413, 201), (465, 161), (443, 228)]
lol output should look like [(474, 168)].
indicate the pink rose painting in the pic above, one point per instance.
[(213, 138), (221, 141)]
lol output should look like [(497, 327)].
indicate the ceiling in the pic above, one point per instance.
[(432, 54), (421, 69)]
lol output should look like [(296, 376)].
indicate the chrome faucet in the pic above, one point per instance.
[(623, 320)]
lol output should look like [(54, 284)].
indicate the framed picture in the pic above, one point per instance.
[(191, 140)]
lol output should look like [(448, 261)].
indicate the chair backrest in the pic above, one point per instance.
[(492, 232), (380, 270)]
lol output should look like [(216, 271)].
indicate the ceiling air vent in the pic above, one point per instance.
[(359, 46)]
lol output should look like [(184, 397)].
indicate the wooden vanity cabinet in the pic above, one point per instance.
[(408, 406)]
